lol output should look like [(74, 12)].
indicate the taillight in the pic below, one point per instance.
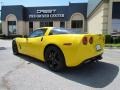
[(84, 40), (91, 40)]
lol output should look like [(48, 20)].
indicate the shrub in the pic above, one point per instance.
[(0, 28), (2, 35), (112, 40), (9, 37), (116, 40), (119, 39), (13, 36), (0, 31), (108, 39)]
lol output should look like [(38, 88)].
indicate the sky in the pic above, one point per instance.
[(30, 3)]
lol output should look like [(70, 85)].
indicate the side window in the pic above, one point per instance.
[(38, 33), (51, 32)]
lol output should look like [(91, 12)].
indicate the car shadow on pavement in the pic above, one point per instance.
[(97, 75)]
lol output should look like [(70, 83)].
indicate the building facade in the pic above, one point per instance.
[(96, 16), (20, 20), (103, 16)]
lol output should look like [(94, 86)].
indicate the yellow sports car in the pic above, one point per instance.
[(60, 47)]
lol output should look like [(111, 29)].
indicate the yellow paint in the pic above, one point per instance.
[(74, 54)]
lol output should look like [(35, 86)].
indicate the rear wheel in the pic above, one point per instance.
[(14, 48), (54, 58)]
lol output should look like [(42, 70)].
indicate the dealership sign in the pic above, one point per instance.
[(46, 14)]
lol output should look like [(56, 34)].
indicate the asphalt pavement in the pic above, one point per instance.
[(25, 73)]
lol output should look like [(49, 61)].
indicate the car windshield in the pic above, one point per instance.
[(55, 31)]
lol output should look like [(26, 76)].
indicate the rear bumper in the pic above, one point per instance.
[(96, 58), (73, 62)]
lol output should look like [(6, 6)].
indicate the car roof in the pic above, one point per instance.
[(45, 27)]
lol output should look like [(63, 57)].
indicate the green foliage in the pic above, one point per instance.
[(13, 36), (112, 40), (119, 39), (0, 27), (112, 45), (108, 39), (9, 37)]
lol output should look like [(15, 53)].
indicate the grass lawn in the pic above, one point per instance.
[(112, 45)]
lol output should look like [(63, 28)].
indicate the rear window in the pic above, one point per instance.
[(58, 31)]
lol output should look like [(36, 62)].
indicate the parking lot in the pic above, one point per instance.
[(25, 73)]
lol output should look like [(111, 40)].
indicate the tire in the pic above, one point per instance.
[(54, 58), (15, 48)]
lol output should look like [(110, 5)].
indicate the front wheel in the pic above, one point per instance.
[(54, 58), (14, 48)]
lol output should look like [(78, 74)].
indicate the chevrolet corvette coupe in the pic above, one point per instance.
[(60, 48)]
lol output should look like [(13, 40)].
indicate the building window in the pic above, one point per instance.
[(62, 24), (11, 27), (30, 24), (116, 25), (46, 24), (116, 10), (30, 27), (77, 24), (116, 17)]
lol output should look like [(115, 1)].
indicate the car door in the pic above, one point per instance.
[(35, 43)]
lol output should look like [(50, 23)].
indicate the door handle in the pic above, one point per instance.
[(42, 39)]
